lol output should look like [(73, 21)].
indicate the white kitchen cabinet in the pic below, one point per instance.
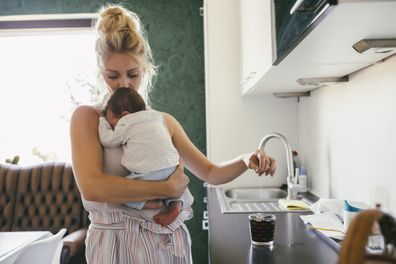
[(326, 52), (256, 41)]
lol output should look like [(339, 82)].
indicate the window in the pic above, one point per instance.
[(45, 74)]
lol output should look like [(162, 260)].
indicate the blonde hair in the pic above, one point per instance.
[(119, 30)]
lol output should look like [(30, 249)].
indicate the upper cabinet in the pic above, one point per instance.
[(295, 46), (257, 44)]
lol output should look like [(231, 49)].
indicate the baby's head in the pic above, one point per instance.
[(123, 101)]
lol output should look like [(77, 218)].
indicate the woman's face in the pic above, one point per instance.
[(121, 70)]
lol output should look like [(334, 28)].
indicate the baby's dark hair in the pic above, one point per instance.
[(125, 99)]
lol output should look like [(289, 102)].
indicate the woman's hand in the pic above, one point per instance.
[(260, 163), (177, 181)]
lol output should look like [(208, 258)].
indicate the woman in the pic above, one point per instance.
[(119, 234)]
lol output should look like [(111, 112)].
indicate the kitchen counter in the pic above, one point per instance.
[(229, 239)]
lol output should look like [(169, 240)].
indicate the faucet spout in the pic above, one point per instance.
[(292, 186)]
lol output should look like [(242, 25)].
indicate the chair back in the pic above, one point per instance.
[(47, 198), (44, 251)]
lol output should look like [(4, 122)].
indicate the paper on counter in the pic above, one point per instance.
[(326, 220), (293, 205), (335, 206)]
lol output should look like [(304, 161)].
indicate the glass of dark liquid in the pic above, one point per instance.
[(262, 229)]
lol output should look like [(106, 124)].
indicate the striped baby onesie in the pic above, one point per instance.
[(145, 140)]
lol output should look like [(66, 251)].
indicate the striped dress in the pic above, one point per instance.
[(119, 234)]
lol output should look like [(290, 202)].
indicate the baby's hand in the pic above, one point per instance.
[(99, 111)]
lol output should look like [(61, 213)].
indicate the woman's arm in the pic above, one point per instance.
[(94, 184), (212, 173)]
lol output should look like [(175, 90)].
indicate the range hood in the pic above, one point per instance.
[(293, 20), (352, 35)]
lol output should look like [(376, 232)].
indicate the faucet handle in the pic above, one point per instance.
[(294, 189)]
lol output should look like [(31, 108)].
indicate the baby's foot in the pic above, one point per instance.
[(167, 218)]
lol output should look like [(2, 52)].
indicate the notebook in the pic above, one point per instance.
[(293, 205)]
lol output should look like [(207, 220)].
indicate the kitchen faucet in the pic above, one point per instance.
[(292, 186)]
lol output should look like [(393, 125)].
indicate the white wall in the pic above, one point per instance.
[(348, 135), (236, 125)]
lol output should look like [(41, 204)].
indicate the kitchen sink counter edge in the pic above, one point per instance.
[(229, 239)]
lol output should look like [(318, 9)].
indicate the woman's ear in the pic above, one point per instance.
[(125, 113)]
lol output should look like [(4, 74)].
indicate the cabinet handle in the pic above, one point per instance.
[(245, 79), (248, 77)]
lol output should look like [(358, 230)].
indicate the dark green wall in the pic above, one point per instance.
[(175, 32)]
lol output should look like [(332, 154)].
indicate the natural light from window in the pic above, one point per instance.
[(44, 76)]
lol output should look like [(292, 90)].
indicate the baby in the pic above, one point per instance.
[(148, 151)]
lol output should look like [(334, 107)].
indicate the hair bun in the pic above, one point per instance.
[(113, 11), (120, 30), (114, 19)]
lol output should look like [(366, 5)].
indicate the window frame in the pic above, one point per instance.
[(47, 21)]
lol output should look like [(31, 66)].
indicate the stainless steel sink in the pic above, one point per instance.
[(255, 193), (250, 199)]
